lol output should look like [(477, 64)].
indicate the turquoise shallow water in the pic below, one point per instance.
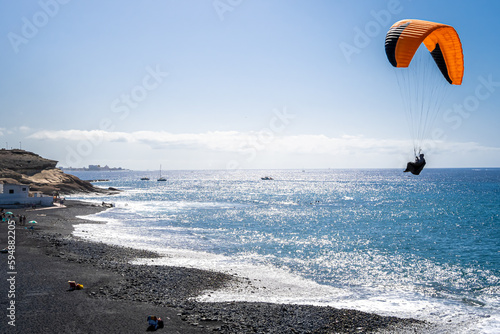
[(376, 240)]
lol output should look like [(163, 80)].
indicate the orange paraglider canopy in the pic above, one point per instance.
[(442, 41)]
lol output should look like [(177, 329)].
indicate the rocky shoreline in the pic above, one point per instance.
[(118, 296), (41, 175)]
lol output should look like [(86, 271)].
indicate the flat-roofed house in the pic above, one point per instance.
[(20, 195)]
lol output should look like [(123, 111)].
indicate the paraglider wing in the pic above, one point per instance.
[(442, 41), (421, 84)]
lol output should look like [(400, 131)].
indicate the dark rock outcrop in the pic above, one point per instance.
[(24, 162), (23, 167)]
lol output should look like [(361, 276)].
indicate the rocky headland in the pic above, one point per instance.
[(41, 174)]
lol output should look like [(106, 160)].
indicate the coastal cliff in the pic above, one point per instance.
[(41, 174)]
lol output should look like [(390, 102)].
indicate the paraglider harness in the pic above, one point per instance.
[(416, 167)]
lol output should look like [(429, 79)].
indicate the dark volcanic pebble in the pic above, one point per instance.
[(118, 296)]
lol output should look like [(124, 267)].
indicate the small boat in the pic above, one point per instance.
[(161, 178), (266, 178), (144, 178)]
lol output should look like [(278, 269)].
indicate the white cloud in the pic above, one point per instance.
[(228, 141), (233, 141)]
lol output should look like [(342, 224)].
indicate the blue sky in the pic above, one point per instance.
[(236, 84)]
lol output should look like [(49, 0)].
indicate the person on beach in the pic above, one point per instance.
[(154, 323)]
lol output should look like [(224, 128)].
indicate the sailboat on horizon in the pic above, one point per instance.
[(161, 178)]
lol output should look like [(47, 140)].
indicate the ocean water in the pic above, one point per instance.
[(379, 241)]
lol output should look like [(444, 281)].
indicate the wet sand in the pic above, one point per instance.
[(117, 296)]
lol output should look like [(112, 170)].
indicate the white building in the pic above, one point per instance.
[(19, 195)]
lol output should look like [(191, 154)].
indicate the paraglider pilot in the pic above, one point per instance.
[(416, 167)]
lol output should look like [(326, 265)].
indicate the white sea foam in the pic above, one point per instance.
[(329, 255), (262, 282)]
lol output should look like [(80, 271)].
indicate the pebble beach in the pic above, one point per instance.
[(118, 296)]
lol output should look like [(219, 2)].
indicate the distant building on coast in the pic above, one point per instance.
[(94, 168), (20, 195)]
